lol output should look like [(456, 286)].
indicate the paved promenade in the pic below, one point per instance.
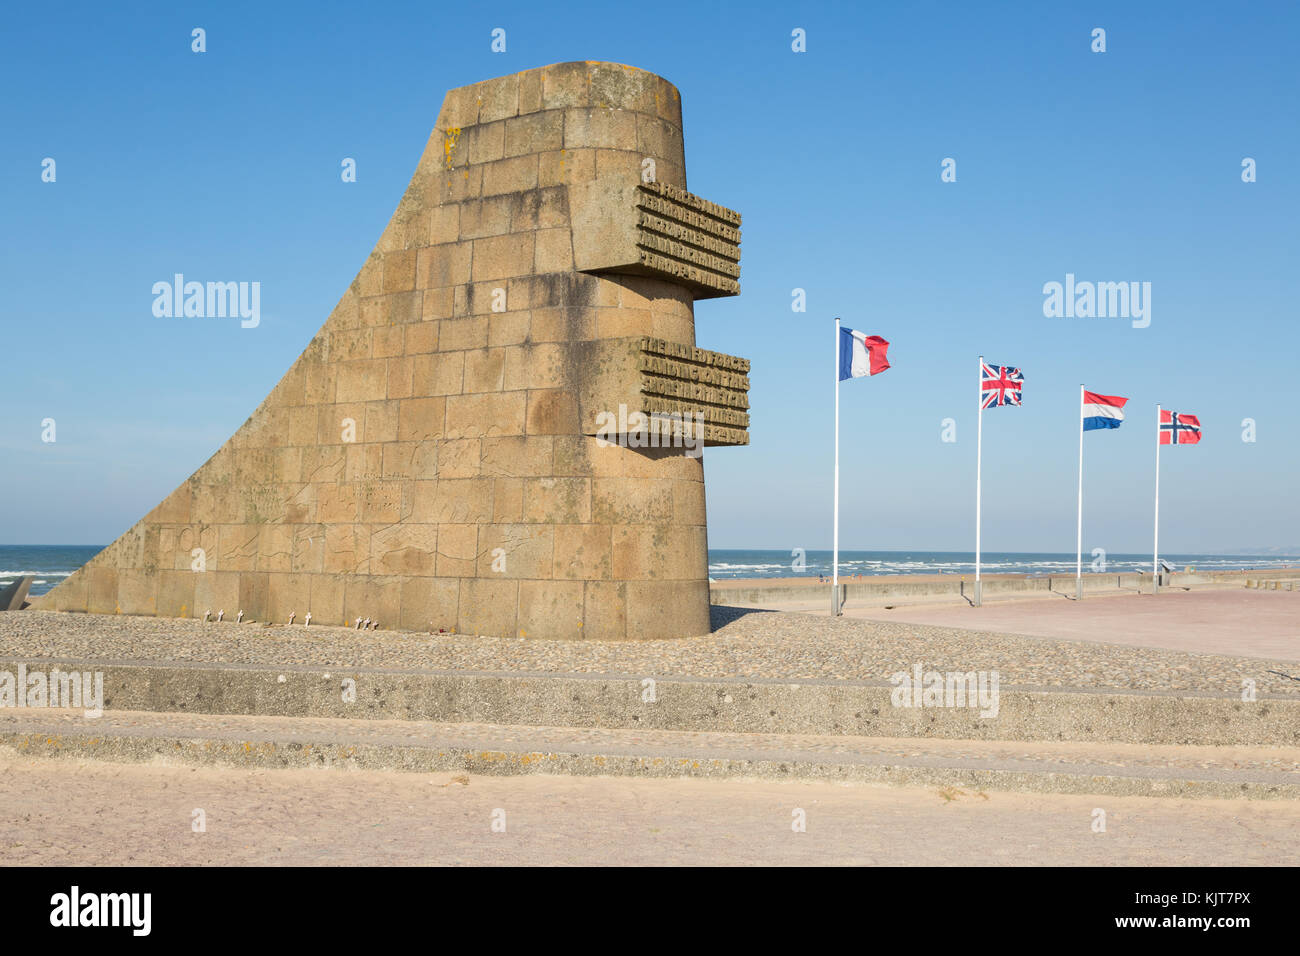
[(1250, 623)]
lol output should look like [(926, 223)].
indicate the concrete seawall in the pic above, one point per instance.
[(924, 589), (834, 708)]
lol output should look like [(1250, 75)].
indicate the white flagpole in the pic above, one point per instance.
[(1078, 554), (835, 537), (979, 456), (1155, 546)]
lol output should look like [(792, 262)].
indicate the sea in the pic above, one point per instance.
[(730, 563), (52, 563)]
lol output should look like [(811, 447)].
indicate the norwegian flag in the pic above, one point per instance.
[(1176, 429), (1000, 385)]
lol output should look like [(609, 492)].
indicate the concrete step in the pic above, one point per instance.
[(612, 701), (1263, 773)]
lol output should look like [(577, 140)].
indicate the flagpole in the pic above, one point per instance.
[(835, 537), (1155, 546), (979, 457), (1078, 554)]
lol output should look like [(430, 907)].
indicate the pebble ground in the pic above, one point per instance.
[(744, 644)]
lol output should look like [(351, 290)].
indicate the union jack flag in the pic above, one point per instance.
[(1176, 429), (1000, 385)]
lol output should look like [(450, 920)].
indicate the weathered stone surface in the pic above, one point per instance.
[(431, 460)]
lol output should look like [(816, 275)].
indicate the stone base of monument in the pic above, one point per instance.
[(238, 701)]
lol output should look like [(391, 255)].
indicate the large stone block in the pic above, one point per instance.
[(550, 609)]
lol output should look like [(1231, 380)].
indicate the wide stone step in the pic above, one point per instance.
[(826, 707), (1265, 773)]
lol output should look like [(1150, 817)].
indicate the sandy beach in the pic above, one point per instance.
[(99, 814)]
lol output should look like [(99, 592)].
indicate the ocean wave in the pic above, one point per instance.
[(760, 564)]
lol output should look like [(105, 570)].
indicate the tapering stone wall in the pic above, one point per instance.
[(431, 459)]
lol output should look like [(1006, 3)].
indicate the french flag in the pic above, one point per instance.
[(861, 355), (1102, 411)]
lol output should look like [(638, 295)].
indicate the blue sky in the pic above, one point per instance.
[(1115, 166)]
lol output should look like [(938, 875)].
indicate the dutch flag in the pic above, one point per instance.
[(861, 355), (1102, 411)]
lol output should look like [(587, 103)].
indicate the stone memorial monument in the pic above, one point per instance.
[(497, 431)]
